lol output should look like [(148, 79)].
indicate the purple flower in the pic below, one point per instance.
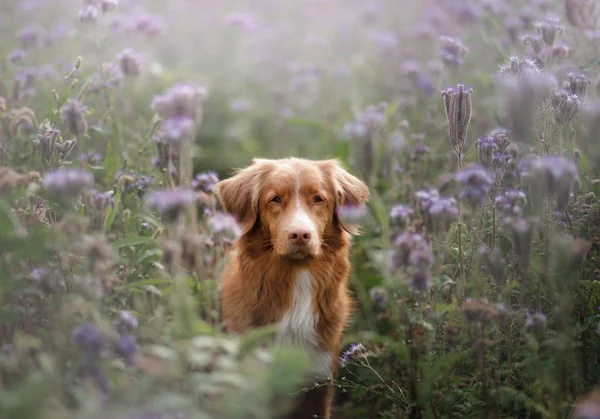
[(509, 201), (32, 35), (452, 51), (92, 157), (150, 25), (444, 209), (171, 202), (549, 28), (109, 76), (535, 319), (16, 55), (486, 148), (410, 251), (178, 109), (552, 176), (224, 225), (240, 105), (98, 201), (351, 214), (379, 296), (68, 183), (72, 114), (89, 337), (126, 347), (475, 184), (127, 323), (205, 181), (355, 350), (401, 213), (130, 62)]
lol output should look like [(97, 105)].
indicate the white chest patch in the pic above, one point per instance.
[(298, 327)]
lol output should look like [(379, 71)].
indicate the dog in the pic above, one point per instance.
[(290, 265)]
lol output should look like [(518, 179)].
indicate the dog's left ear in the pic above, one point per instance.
[(349, 191)]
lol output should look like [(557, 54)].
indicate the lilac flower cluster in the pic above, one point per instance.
[(364, 122), (223, 227), (68, 183), (552, 176), (475, 184), (91, 340), (436, 210), (178, 108), (205, 181), (452, 51), (401, 213), (170, 203), (412, 253), (352, 353), (126, 343), (73, 115)]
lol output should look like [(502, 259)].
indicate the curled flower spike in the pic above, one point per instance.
[(517, 66), (566, 106), (577, 84), (486, 148), (355, 350), (550, 28), (130, 62), (457, 102), (46, 143), (73, 115)]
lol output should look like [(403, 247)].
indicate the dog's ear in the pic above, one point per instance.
[(239, 194), (349, 191)]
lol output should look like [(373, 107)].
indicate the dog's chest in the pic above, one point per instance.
[(298, 326)]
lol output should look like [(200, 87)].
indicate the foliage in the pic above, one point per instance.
[(473, 123)]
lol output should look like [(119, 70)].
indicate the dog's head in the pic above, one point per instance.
[(292, 203)]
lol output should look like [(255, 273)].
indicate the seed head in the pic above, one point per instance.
[(73, 115), (46, 143), (565, 105), (578, 84), (550, 28), (457, 103), (130, 62), (486, 148), (516, 66)]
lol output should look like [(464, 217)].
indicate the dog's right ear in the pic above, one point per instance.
[(239, 194)]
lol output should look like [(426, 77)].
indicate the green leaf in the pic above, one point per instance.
[(112, 212), (148, 254), (131, 241)]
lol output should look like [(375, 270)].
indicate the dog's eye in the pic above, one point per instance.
[(276, 200), (317, 199)]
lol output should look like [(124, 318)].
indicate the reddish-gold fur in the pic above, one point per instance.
[(258, 281)]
